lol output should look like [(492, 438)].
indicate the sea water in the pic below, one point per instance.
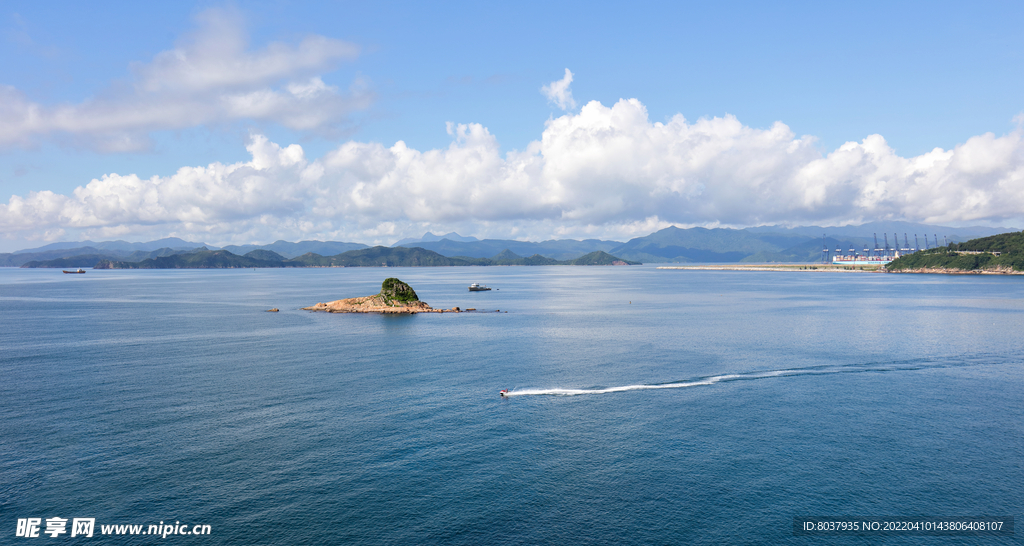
[(649, 406)]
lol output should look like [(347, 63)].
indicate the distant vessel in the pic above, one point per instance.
[(477, 287), (80, 270), (874, 256), (863, 260)]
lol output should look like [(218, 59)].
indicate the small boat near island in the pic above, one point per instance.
[(477, 287), (80, 270)]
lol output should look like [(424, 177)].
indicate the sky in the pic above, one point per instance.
[(233, 123)]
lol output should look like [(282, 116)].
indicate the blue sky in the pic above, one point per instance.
[(756, 104)]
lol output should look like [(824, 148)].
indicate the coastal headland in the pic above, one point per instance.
[(1001, 254), (778, 267), (395, 297), (997, 270)]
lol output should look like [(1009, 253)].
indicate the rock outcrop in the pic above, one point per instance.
[(395, 297)]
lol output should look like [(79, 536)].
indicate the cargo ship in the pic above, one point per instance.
[(80, 270), (877, 257), (863, 260)]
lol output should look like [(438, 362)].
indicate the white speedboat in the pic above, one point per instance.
[(477, 287)]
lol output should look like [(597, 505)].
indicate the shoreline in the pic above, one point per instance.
[(376, 304), (946, 271), (842, 269), (779, 267)]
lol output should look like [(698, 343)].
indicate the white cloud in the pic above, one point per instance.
[(215, 58), (607, 172), (210, 77), (558, 92)]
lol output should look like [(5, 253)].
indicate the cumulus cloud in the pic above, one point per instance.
[(607, 171), (211, 76), (558, 92)]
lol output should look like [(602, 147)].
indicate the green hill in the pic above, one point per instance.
[(393, 257), (265, 255), (998, 252), (599, 257), (202, 259), (536, 259), (507, 257), (85, 260)]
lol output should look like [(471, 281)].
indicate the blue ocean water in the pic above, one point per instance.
[(651, 406)]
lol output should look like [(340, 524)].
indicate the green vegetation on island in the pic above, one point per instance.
[(395, 297), (393, 289), (998, 253)]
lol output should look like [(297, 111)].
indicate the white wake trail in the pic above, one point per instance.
[(700, 382), (624, 388)]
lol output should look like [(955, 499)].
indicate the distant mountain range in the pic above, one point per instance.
[(761, 244), (429, 237), (672, 244), (865, 231), (563, 249), (118, 246), (291, 250), (84, 256), (377, 256)]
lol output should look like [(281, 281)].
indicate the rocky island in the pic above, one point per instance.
[(395, 297)]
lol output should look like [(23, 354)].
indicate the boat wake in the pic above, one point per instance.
[(878, 367)]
